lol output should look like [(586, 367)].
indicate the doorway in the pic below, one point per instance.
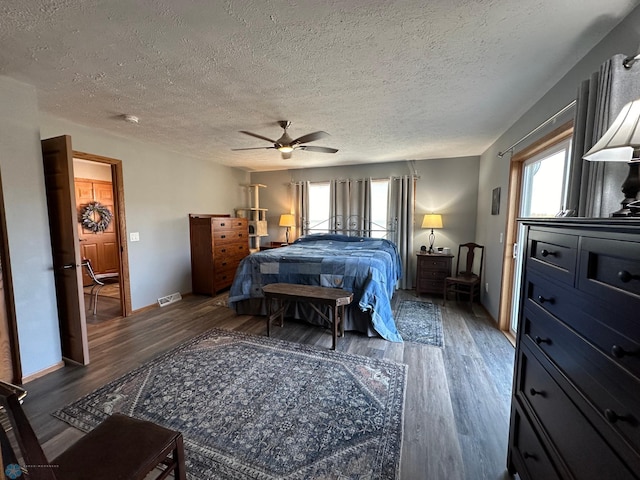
[(95, 202), (99, 179)]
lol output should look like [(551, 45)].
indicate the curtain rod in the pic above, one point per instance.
[(343, 180), (543, 124)]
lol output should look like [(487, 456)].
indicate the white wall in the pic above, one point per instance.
[(494, 170), (448, 186), (28, 227)]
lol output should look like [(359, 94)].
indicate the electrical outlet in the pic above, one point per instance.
[(134, 236), (486, 287)]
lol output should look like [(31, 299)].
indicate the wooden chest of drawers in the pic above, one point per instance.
[(431, 272), (576, 394), (217, 246)]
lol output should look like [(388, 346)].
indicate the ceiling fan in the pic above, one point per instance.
[(286, 145)]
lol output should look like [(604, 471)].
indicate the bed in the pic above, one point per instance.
[(368, 267)]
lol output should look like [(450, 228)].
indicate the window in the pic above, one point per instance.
[(544, 182), (320, 212), (319, 203), (379, 208)]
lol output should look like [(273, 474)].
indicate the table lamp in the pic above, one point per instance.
[(287, 220), (621, 143), (432, 220)]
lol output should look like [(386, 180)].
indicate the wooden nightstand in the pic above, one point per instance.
[(431, 271), (271, 245)]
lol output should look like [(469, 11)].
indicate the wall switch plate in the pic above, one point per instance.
[(501, 237), (486, 287), (134, 236)]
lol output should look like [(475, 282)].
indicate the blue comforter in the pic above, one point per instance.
[(368, 267)]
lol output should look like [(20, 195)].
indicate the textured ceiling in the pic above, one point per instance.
[(388, 80)]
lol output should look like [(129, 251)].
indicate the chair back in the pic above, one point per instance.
[(92, 275), (17, 426), (470, 260)]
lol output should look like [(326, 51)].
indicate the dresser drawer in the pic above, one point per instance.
[(609, 390), (553, 253), (530, 456), (439, 275), (225, 263), (232, 250), (432, 262), (552, 297), (228, 236), (610, 269), (230, 223), (584, 451)]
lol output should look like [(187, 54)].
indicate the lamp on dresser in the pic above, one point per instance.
[(287, 220), (621, 143), (432, 220)]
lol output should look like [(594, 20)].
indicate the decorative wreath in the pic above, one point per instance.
[(89, 220)]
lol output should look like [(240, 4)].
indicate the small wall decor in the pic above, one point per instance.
[(96, 217), (495, 201)]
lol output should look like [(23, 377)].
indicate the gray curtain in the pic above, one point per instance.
[(402, 210), (594, 187), (300, 207), (350, 207)]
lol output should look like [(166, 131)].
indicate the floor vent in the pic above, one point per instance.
[(169, 299)]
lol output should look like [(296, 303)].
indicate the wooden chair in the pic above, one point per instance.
[(121, 447), (98, 280), (466, 281)]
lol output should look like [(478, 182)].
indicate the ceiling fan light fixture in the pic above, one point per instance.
[(285, 149)]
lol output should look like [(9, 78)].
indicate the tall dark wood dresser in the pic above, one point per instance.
[(218, 244), (575, 410)]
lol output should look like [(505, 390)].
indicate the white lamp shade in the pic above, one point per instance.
[(432, 220), (287, 220), (619, 141)]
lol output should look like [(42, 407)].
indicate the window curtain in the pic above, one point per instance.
[(300, 207), (594, 187), (402, 210), (350, 207)]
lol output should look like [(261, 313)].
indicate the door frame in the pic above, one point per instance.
[(561, 133), (9, 298), (120, 227)]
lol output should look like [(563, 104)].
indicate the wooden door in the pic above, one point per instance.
[(61, 204), (6, 356), (101, 248)]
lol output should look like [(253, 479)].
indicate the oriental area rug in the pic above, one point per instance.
[(420, 322), (253, 407)]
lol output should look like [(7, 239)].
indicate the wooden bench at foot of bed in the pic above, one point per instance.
[(283, 293)]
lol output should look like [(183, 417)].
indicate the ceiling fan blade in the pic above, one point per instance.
[(311, 148), (286, 155), (253, 148), (258, 136), (310, 137)]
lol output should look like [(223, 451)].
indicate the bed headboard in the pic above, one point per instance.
[(353, 226)]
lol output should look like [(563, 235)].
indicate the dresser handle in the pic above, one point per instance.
[(626, 277), (619, 352), (528, 455), (535, 392), (546, 253), (613, 417), (540, 340), (542, 299)]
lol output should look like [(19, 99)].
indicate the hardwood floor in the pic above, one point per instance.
[(457, 404)]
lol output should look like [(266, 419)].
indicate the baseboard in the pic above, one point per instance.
[(42, 373)]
